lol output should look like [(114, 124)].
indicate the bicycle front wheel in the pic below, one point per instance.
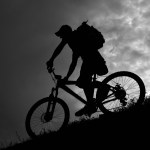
[(38, 122), (127, 91)]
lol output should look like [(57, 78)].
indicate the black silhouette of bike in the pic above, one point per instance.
[(117, 91)]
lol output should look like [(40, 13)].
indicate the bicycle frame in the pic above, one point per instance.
[(95, 84), (71, 92), (59, 84), (54, 114)]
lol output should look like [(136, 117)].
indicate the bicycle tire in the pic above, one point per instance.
[(28, 124), (131, 75)]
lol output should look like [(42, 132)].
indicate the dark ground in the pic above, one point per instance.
[(119, 131)]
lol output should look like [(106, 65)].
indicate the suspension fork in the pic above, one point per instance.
[(52, 102)]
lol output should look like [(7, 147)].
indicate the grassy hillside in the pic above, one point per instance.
[(113, 131)]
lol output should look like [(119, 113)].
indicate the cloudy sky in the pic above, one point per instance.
[(27, 41)]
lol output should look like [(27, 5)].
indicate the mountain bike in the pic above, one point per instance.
[(117, 91)]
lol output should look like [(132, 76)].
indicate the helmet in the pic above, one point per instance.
[(64, 31)]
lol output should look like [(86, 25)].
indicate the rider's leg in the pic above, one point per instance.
[(84, 81), (90, 107), (89, 91)]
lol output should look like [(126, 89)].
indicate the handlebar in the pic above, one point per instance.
[(51, 71), (57, 78)]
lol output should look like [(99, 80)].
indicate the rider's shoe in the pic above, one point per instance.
[(86, 110)]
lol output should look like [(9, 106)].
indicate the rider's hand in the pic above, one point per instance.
[(49, 65)]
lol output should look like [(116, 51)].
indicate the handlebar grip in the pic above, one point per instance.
[(50, 70)]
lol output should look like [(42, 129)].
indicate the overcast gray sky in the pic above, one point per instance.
[(27, 41)]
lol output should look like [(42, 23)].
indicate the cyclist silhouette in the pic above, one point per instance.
[(92, 61)]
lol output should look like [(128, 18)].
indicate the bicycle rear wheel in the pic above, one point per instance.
[(37, 123), (127, 90)]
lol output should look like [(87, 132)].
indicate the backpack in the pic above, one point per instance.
[(89, 36)]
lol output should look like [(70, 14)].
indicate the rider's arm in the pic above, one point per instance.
[(56, 53), (72, 65)]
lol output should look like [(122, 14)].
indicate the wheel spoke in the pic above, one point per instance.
[(113, 82), (132, 86), (127, 79)]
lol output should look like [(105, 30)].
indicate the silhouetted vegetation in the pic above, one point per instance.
[(127, 127)]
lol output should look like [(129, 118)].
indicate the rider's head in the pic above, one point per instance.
[(64, 31)]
